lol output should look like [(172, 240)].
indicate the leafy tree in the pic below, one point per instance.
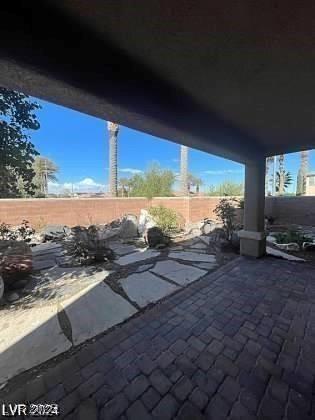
[(227, 188), (17, 118), (156, 182), (287, 180), (45, 170)]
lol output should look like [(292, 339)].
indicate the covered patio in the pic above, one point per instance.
[(229, 78), (237, 344)]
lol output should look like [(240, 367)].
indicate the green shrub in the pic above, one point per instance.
[(292, 236), (226, 213), (166, 219)]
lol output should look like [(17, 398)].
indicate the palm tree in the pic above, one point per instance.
[(287, 180), (269, 175), (45, 170), (301, 178), (281, 175), (184, 169), (113, 130)]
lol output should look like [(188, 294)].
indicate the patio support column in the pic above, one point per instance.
[(252, 238)]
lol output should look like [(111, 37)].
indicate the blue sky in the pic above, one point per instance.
[(78, 144)]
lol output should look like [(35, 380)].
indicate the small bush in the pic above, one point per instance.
[(225, 211), (6, 233), (166, 219), (23, 232)]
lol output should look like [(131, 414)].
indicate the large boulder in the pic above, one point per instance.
[(54, 232), (292, 246), (15, 261), (1, 287), (155, 238), (309, 246), (129, 227), (146, 222)]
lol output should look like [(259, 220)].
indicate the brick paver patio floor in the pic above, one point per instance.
[(238, 344)]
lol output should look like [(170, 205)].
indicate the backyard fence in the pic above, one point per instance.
[(86, 211)]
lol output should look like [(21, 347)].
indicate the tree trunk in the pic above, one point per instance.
[(281, 175), (301, 179), (184, 169), (113, 135)]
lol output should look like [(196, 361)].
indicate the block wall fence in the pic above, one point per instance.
[(85, 211)]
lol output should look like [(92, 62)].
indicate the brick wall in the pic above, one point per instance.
[(297, 210), (85, 211)]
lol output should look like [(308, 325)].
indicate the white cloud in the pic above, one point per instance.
[(88, 181), (85, 185), (224, 172), (131, 170)]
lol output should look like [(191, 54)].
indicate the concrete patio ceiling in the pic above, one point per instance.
[(231, 78)]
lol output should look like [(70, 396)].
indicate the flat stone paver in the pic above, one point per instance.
[(46, 247), (199, 246), (43, 263), (145, 288), (238, 344), (137, 256), (179, 273), (205, 266), (192, 256), (122, 249), (205, 239), (32, 337), (94, 310)]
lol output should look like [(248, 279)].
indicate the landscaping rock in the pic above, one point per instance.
[(20, 284), (129, 227), (145, 222), (271, 239), (288, 247), (194, 229), (208, 228), (12, 297), (308, 246), (155, 237), (53, 232), (1, 287)]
